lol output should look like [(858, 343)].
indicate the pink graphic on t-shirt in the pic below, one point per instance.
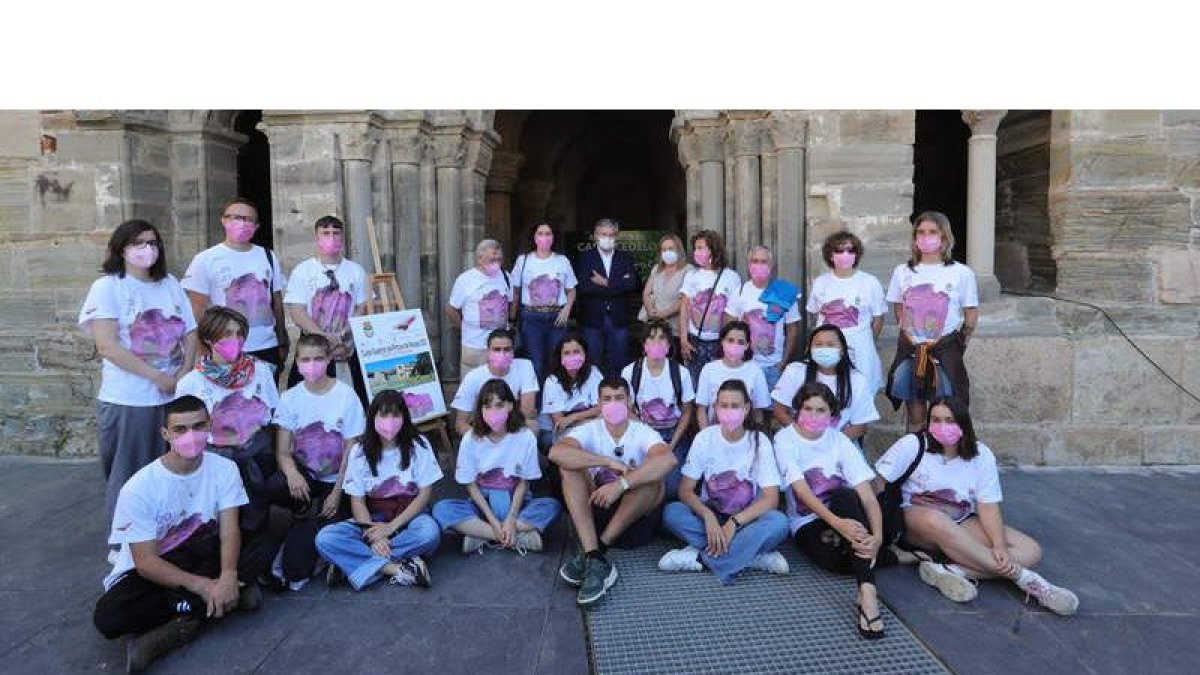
[(319, 448), (945, 500), (838, 314), (389, 499), (496, 480), (157, 340), (730, 493), (248, 295), (544, 290), (419, 405), (821, 487), (192, 526), (493, 310), (392, 488), (605, 475), (658, 413), (236, 418), (925, 311), (712, 320), (762, 332), (331, 310)]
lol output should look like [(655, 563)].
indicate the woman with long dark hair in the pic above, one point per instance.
[(706, 291), (827, 360), (544, 286), (571, 392)]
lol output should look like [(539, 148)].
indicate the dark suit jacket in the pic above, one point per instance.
[(597, 301)]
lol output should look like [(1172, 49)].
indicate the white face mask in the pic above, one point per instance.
[(670, 257), (606, 243)]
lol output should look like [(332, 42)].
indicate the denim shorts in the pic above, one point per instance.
[(904, 386)]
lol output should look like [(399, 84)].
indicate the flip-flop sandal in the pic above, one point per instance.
[(867, 633)]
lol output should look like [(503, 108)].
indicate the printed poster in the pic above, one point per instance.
[(395, 353)]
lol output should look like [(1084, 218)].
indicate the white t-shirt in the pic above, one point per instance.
[(556, 400), (953, 486), (152, 320), (732, 474), (330, 309), (826, 464), (157, 504), (697, 286), (655, 396), (849, 304), (390, 481), (498, 466), (635, 443), (861, 410), (483, 301), (933, 297), (319, 424), (715, 373), (766, 338), (240, 280), (543, 281), (520, 378), (237, 414)]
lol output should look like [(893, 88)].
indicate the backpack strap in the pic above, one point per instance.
[(270, 271), (636, 382), (916, 460), (676, 382)]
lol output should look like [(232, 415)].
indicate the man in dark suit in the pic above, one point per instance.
[(606, 277)]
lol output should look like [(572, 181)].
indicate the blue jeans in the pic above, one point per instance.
[(537, 511), (703, 351), (539, 337), (671, 481), (772, 373), (761, 536), (342, 544), (607, 346)]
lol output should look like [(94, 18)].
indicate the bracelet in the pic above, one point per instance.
[(736, 523), (624, 484)]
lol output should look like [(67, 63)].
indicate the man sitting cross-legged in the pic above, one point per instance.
[(612, 482), (176, 521)]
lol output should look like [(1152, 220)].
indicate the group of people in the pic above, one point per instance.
[(697, 436)]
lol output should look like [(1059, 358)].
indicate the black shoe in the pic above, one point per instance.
[(142, 650), (250, 597), (272, 583)]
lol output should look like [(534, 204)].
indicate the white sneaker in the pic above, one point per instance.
[(112, 555), (297, 585), (1054, 598), (952, 584), (529, 541), (403, 578), (772, 563), (472, 544), (685, 559)]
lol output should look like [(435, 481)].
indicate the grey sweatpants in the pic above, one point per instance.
[(129, 438)]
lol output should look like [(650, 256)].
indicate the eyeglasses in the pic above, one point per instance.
[(619, 451), (239, 217), (333, 282)]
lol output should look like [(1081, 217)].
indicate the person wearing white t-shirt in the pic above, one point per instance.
[(571, 392), (705, 292), (544, 293), (852, 300), (832, 508), (318, 421), (389, 478), (323, 292), (496, 460), (951, 503), (827, 360), (734, 522), (612, 481), (180, 558), (518, 373), (771, 341), (936, 302), (244, 277), (735, 363), (479, 302), (142, 324)]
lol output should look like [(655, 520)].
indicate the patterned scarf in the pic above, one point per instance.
[(228, 375)]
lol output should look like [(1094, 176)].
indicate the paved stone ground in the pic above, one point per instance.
[(1127, 543)]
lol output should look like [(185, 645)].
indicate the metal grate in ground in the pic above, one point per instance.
[(685, 622)]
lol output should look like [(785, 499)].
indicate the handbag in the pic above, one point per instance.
[(891, 498)]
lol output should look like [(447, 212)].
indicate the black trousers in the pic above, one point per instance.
[(300, 541), (828, 549)]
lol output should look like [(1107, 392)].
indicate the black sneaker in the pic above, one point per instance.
[(573, 570), (599, 577), (142, 650), (418, 570)]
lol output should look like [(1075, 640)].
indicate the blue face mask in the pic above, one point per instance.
[(826, 357)]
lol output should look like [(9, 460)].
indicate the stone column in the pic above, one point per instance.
[(357, 146), (981, 199), (742, 142), (450, 151), (502, 180), (480, 144), (789, 133), (710, 151), (408, 148)]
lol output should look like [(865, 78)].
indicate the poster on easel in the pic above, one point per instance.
[(395, 353)]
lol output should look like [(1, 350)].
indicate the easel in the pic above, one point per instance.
[(384, 285)]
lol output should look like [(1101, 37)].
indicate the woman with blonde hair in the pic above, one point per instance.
[(660, 297)]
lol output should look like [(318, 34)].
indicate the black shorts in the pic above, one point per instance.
[(639, 533)]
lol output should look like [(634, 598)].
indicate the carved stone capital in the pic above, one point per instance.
[(788, 128), (480, 146), (356, 142), (702, 141), (743, 137), (983, 122), (449, 146), (506, 167), (408, 145)]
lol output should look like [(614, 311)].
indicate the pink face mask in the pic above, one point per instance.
[(760, 272), (491, 269), (814, 423), (500, 360), (733, 350), (190, 444), (572, 362), (657, 349), (543, 242), (228, 348), (844, 260), (239, 231), (946, 433), (495, 418), (388, 427), (312, 371), (615, 412), (929, 243), (329, 245), (702, 256), (731, 418), (141, 257)]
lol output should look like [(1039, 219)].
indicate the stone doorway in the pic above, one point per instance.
[(940, 170), (254, 173)]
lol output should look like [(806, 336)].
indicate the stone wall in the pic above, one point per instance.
[(1023, 241)]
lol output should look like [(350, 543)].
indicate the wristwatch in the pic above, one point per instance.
[(624, 484), (736, 523)]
